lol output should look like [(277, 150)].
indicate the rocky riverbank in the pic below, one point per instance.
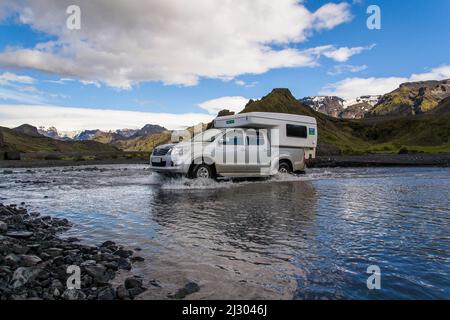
[(36, 264)]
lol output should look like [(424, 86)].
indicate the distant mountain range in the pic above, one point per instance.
[(96, 134), (50, 144), (26, 139), (409, 99)]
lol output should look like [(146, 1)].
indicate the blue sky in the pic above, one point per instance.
[(135, 66)]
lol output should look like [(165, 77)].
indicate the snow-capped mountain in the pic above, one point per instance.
[(52, 132), (371, 100), (340, 108), (86, 134), (81, 135)]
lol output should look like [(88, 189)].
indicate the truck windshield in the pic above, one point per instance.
[(207, 136)]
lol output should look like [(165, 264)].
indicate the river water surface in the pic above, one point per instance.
[(306, 237)]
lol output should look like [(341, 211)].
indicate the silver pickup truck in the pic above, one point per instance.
[(248, 145)]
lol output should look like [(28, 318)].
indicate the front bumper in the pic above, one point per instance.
[(166, 165)]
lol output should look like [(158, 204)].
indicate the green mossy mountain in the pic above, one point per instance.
[(412, 98)]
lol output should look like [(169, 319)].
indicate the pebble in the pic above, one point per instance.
[(30, 260), (3, 227), (188, 289), (19, 234), (133, 282)]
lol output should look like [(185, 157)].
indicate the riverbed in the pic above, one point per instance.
[(291, 237)]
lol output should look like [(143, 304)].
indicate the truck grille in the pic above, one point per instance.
[(159, 164), (160, 151)]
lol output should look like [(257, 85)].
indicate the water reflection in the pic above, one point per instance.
[(248, 232)]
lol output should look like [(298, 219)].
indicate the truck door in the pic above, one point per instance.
[(257, 156), (230, 152)]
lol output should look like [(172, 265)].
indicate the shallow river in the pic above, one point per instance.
[(307, 237)]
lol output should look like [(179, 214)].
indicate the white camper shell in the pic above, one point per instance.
[(244, 145), (295, 131)]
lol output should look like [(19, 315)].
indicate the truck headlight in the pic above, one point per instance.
[(176, 151)]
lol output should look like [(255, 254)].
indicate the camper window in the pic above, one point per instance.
[(233, 138), (296, 131), (207, 136), (254, 138)]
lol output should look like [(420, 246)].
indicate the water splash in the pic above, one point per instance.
[(183, 183)]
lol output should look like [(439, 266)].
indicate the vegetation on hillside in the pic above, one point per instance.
[(412, 98), (144, 143), (21, 142)]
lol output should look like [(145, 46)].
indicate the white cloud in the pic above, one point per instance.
[(30, 89), (344, 53), (440, 73), (245, 84), (8, 78), (59, 81), (21, 89), (23, 96), (340, 54), (344, 68), (331, 15), (70, 119), (351, 88), (122, 43), (235, 104)]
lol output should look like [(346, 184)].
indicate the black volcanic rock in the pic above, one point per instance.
[(34, 261)]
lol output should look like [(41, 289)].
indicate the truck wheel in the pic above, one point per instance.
[(202, 171), (284, 167)]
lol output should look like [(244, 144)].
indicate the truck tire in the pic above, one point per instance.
[(202, 171), (284, 167)]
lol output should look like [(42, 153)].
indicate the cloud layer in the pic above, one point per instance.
[(351, 88), (70, 119), (122, 43)]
